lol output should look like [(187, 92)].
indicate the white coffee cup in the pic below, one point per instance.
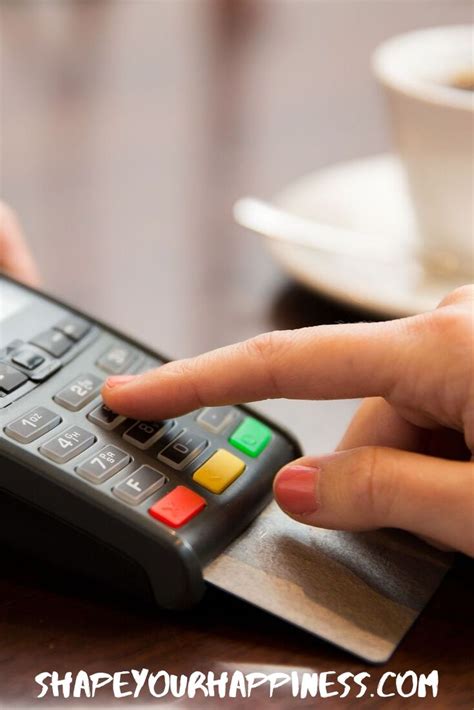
[(433, 124)]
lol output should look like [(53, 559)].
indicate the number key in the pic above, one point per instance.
[(183, 450), (69, 443), (105, 417), (78, 392), (144, 434), (103, 464), (32, 425), (116, 359)]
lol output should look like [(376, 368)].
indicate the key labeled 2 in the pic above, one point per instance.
[(78, 392)]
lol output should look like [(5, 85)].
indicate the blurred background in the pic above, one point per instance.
[(129, 128)]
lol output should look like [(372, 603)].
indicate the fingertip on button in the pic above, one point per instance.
[(118, 380)]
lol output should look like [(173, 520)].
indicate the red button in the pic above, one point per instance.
[(177, 507)]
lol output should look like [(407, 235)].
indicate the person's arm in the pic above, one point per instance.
[(404, 461)]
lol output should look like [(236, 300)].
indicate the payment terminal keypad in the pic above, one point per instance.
[(175, 468), (170, 493), (168, 445)]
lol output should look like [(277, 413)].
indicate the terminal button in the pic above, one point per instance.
[(116, 359), (53, 341), (178, 507), (144, 434), (10, 378), (222, 469), (74, 327), (78, 392), (182, 450), (105, 417), (141, 484), (63, 447), (251, 437), (104, 464), (215, 419), (32, 425), (27, 358)]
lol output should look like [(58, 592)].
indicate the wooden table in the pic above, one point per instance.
[(128, 130)]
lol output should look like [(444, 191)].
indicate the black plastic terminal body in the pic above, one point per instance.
[(49, 511)]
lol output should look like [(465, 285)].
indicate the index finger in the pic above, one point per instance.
[(323, 362)]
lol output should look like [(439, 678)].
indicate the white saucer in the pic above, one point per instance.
[(370, 197)]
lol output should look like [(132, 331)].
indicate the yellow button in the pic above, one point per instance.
[(219, 471)]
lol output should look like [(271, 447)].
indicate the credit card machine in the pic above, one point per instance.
[(143, 506)]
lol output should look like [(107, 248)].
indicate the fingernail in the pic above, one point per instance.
[(296, 489), (118, 380)]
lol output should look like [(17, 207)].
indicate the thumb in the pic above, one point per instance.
[(373, 487)]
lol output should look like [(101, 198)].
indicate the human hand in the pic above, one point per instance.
[(404, 461), (15, 257)]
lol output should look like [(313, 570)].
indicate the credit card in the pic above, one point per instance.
[(360, 591)]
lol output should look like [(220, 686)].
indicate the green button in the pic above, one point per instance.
[(251, 437)]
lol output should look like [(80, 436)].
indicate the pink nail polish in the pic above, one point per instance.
[(296, 489), (118, 380)]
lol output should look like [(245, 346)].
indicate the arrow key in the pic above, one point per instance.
[(53, 341), (10, 378)]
